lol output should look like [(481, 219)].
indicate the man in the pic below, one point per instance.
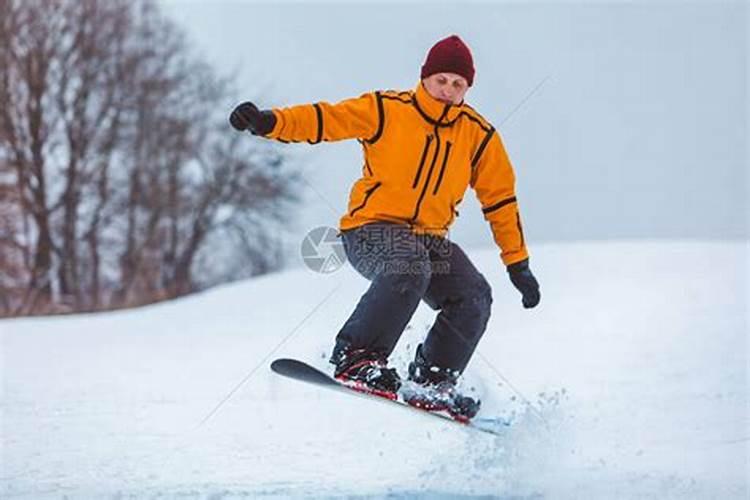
[(422, 149)]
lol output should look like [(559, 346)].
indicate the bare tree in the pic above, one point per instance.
[(117, 170)]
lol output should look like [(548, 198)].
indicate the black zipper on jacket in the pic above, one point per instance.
[(448, 145), (432, 164), (368, 193), (421, 161)]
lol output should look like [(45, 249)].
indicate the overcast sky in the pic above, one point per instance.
[(623, 120)]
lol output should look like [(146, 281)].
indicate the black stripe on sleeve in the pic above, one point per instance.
[(482, 146), (520, 229), (475, 120), (319, 114), (381, 119), (499, 205), (405, 100)]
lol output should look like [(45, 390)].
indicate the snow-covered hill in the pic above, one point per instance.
[(635, 366)]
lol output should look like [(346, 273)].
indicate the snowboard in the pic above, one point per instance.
[(303, 372)]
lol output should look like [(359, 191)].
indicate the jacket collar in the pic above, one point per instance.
[(434, 111)]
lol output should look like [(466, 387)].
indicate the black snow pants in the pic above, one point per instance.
[(403, 269)]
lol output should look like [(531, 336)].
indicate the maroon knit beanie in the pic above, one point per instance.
[(450, 55)]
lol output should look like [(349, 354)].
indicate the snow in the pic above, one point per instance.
[(635, 366)]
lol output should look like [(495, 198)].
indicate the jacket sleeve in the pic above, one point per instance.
[(357, 117), (493, 181)]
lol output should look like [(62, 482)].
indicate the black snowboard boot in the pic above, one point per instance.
[(434, 389), (365, 371)]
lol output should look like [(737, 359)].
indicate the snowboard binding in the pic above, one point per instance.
[(365, 371), (432, 388)]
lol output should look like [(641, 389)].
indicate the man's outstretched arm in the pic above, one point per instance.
[(356, 118)]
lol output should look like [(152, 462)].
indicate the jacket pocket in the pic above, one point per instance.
[(442, 168), (428, 140)]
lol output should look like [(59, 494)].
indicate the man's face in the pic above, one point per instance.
[(449, 88)]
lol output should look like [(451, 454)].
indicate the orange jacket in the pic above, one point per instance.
[(420, 155)]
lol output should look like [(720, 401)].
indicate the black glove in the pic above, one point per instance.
[(247, 116), (525, 282)]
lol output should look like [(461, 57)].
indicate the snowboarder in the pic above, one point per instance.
[(422, 148)]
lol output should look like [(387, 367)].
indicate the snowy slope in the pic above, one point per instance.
[(635, 363)]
